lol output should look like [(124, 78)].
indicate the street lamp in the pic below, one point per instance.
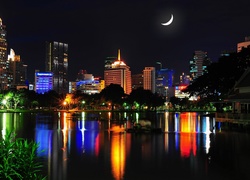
[(64, 104), (83, 103)]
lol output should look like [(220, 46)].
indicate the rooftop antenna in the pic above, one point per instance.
[(119, 55)]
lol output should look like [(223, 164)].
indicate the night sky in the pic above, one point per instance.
[(95, 29)]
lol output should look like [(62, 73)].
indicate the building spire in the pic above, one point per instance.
[(119, 55)]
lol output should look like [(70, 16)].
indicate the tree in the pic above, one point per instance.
[(140, 96), (220, 78), (113, 93), (157, 101), (145, 97), (18, 97), (31, 97)]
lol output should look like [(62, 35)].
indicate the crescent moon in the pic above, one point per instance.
[(169, 22)]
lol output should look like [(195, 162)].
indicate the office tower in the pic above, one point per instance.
[(149, 79), (164, 82), (43, 82), (57, 63), (245, 44), (16, 70), (3, 57), (198, 64), (137, 81), (118, 73)]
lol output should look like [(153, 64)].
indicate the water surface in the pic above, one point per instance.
[(96, 146)]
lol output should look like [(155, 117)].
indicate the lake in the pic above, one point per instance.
[(96, 146)]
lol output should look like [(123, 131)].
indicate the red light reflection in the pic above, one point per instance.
[(188, 134)]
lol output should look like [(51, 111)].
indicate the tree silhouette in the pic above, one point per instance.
[(113, 93), (145, 98), (220, 77)]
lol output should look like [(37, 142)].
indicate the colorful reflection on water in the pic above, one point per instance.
[(86, 141), (118, 155)]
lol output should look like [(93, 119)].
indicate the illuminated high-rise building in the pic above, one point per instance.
[(149, 79), (118, 73), (3, 57), (198, 64), (164, 82), (57, 63), (245, 44), (16, 70)]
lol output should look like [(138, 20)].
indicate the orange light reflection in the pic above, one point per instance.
[(188, 134), (118, 153)]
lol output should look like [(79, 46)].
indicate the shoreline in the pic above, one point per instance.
[(60, 110)]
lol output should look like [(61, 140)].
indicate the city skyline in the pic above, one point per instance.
[(95, 30)]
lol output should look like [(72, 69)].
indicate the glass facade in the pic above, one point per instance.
[(57, 63)]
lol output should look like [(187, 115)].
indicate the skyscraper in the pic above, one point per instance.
[(149, 79), (164, 82), (198, 64), (3, 57), (118, 73), (57, 63), (16, 70)]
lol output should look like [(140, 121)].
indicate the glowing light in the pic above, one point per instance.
[(188, 136), (4, 125), (137, 117), (119, 55), (169, 22), (188, 122), (118, 155), (11, 56), (117, 128), (187, 144), (166, 121), (109, 115), (180, 87), (4, 101)]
